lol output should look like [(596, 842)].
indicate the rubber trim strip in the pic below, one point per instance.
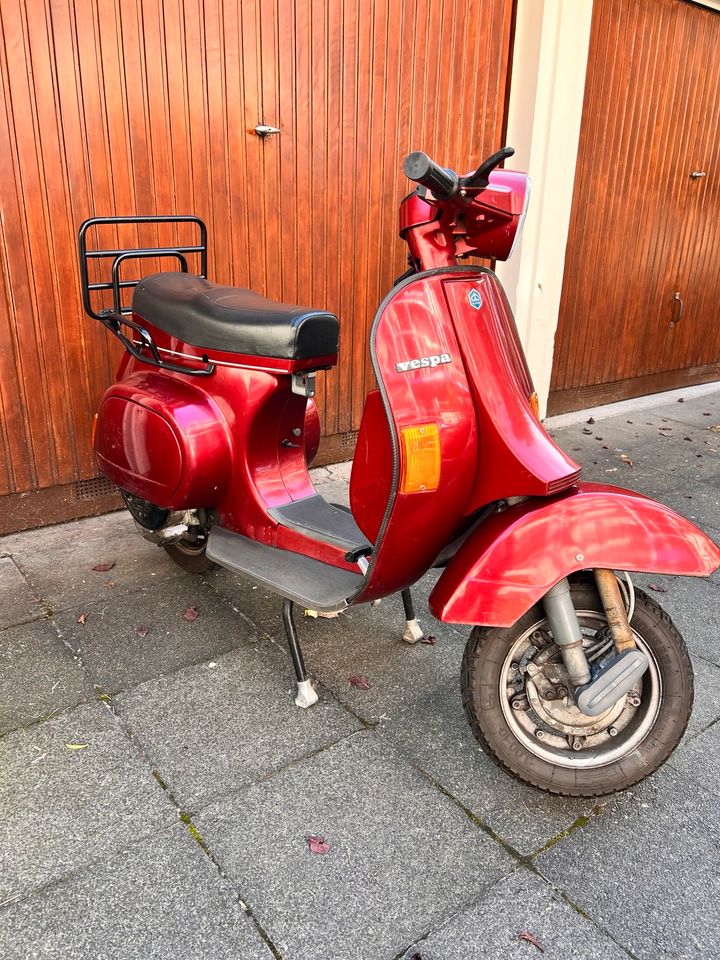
[(460, 268)]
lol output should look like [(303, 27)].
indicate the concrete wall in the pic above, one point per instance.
[(545, 110)]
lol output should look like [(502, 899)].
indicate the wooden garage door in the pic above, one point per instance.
[(645, 229), (150, 106)]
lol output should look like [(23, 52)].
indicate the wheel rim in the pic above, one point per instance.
[(191, 546), (552, 730)]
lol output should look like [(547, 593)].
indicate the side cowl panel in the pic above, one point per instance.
[(514, 558)]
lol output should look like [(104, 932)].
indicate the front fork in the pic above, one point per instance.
[(617, 678)]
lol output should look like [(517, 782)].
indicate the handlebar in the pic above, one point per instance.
[(445, 183), (419, 167)]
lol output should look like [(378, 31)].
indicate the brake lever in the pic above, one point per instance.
[(480, 178)]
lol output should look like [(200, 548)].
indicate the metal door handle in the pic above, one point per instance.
[(696, 174), (679, 300), (262, 130)]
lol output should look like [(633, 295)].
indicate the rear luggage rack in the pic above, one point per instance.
[(116, 317)]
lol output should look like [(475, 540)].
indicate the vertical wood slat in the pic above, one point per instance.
[(640, 227), (149, 106)]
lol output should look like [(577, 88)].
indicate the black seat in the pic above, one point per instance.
[(208, 315)]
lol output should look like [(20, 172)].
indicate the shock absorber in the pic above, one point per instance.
[(566, 632)]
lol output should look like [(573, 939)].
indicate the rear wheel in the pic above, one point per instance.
[(189, 551), (529, 724)]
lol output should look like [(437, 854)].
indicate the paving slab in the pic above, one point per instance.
[(157, 899), (702, 412), (131, 638), (699, 502), (697, 760), (58, 561), (62, 806), (647, 869), (658, 455), (414, 696), (38, 675), (519, 904), (402, 857), (693, 604), (433, 732), (18, 601), (213, 728), (706, 708), (261, 609)]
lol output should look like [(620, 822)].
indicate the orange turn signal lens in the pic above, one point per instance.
[(534, 405), (420, 458)]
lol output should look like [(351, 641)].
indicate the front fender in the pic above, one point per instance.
[(514, 557)]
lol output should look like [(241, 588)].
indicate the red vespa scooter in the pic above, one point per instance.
[(572, 680)]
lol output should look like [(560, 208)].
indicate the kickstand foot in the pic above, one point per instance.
[(413, 630), (306, 695)]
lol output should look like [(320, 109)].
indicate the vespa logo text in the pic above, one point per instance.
[(406, 365)]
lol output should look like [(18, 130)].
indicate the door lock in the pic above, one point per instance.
[(696, 174), (263, 130)]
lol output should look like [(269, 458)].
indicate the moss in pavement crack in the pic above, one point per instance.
[(192, 829), (576, 825)]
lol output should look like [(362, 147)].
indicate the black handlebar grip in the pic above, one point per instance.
[(419, 167)]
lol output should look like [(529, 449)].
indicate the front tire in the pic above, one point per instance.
[(547, 742)]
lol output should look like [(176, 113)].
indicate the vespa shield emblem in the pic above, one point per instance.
[(474, 299)]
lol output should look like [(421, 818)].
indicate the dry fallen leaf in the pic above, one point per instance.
[(76, 746), (585, 430), (190, 614), (626, 459), (715, 428), (360, 681), (657, 587), (142, 631), (318, 845), (529, 938), (428, 638), (591, 420), (83, 618), (104, 567)]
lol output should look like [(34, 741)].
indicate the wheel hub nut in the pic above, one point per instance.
[(613, 731), (540, 734)]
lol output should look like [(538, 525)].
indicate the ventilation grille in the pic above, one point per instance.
[(95, 489), (348, 440), (555, 486)]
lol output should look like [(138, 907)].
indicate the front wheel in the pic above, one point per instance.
[(526, 720)]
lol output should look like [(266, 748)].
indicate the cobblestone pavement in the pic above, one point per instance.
[(157, 784)]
